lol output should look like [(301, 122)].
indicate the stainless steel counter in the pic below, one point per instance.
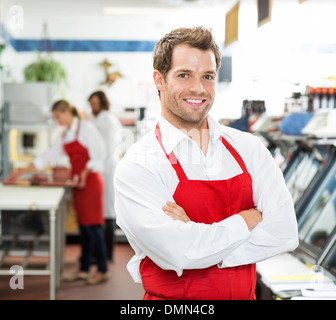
[(35, 199)]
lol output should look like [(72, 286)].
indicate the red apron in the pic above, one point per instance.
[(205, 202), (88, 201)]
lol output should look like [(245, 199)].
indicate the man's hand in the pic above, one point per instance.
[(175, 211), (252, 217)]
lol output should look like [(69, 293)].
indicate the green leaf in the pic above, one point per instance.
[(45, 69)]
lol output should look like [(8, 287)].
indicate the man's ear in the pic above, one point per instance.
[(158, 80)]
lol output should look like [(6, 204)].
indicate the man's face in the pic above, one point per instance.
[(95, 105), (188, 91)]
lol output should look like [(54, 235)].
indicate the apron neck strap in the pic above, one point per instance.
[(77, 131), (235, 154), (177, 166), (171, 157)]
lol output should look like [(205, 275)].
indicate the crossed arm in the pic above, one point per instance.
[(251, 216)]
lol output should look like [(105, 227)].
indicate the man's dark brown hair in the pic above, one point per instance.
[(104, 103), (197, 37)]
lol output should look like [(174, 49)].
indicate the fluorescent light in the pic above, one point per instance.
[(138, 10)]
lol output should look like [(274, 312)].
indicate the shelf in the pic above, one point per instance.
[(28, 126)]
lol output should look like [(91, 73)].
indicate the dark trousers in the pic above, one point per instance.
[(92, 240), (109, 228)]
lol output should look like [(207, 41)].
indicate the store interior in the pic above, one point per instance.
[(277, 81)]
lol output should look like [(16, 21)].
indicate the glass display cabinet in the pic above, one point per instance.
[(305, 167), (317, 218)]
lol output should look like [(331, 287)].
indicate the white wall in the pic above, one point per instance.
[(85, 75), (136, 88), (268, 61), (297, 48)]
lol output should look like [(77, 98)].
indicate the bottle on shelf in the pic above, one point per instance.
[(324, 98), (310, 102), (332, 102), (317, 96)]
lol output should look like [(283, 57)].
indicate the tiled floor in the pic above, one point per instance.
[(120, 286)]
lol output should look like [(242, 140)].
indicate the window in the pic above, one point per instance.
[(264, 11)]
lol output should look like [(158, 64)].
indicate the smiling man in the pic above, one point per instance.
[(200, 203), (188, 88)]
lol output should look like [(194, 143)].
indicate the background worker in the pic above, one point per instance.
[(82, 143), (200, 203), (110, 129)]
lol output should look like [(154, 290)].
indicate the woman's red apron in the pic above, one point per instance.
[(88, 201), (205, 202)]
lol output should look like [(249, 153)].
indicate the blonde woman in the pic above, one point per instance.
[(82, 143)]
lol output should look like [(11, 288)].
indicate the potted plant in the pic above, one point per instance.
[(45, 69)]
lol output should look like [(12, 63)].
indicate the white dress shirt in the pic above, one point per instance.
[(145, 180), (88, 136)]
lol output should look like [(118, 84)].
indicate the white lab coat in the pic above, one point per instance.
[(110, 129)]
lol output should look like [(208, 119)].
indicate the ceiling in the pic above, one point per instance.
[(82, 7), (145, 19), (91, 19), (77, 7)]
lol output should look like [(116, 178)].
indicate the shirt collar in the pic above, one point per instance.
[(215, 129), (171, 136), (74, 125)]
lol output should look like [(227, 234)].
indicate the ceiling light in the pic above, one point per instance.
[(138, 10)]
